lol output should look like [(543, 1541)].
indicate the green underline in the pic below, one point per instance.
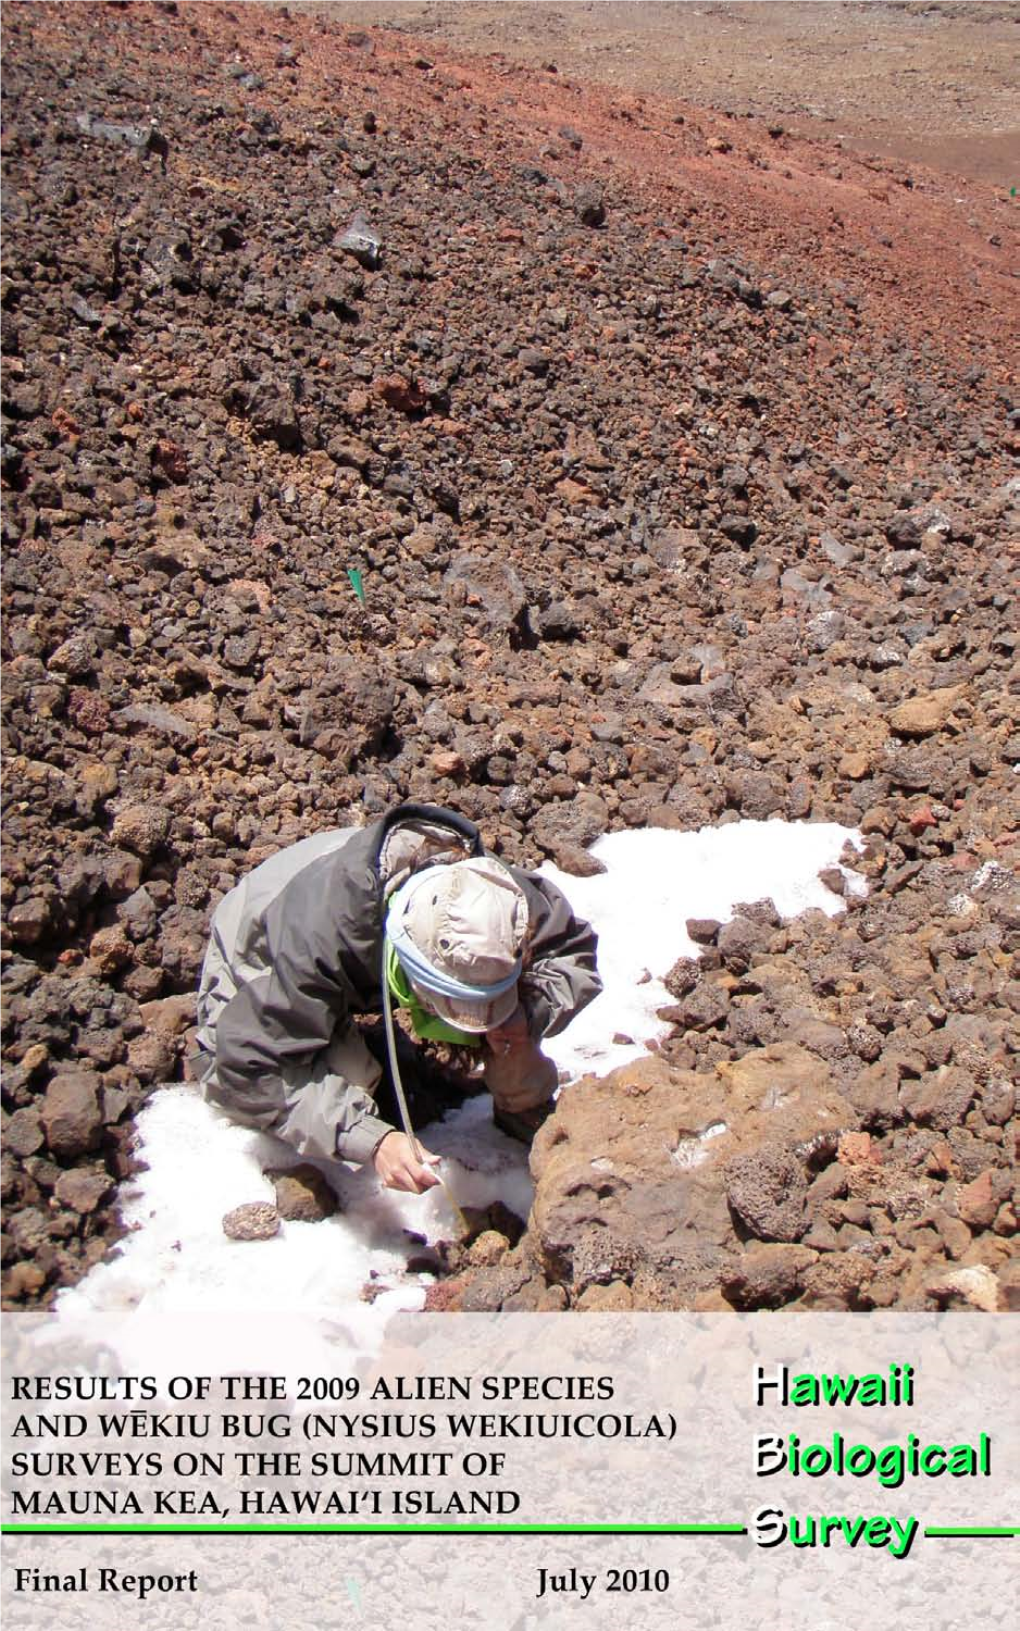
[(373, 1528), (973, 1533), (946, 1534)]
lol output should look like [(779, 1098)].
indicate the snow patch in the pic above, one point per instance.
[(656, 880)]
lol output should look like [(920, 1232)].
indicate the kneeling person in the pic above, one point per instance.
[(479, 954)]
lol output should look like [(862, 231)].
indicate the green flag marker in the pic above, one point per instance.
[(356, 583)]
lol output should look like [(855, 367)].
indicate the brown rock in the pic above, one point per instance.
[(183, 936), (940, 1099), (631, 1171), (97, 782), (683, 976), (607, 1189), (23, 1134), (71, 1115), (24, 1279), (767, 1189), (836, 1280), (920, 820), (925, 714), (255, 1220), (447, 763), (303, 1195), (526, 1299), (977, 1203), (857, 1149), (29, 920), (954, 1232), (489, 1248), (122, 873), (577, 823), (831, 1183), (975, 1285), (82, 1191), (578, 862), (170, 1016), (785, 1094), (615, 1298), (90, 713), (485, 1293), (740, 940), (989, 1249), (875, 1091), (171, 459), (756, 793), (705, 1008), (1005, 1219), (141, 828), (766, 1276), (151, 1057), (489, 584), (406, 395), (855, 766), (941, 1159), (36, 1056), (1008, 1277), (998, 1100)]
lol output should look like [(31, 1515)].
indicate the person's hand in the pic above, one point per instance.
[(397, 1168)]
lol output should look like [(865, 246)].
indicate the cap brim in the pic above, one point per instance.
[(469, 1016)]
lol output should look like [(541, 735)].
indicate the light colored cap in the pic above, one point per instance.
[(458, 931)]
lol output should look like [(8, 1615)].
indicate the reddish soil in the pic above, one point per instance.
[(938, 264), (929, 83)]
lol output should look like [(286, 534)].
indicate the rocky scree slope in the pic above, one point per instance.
[(674, 502)]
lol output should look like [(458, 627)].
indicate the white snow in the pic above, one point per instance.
[(655, 882), (176, 1258)]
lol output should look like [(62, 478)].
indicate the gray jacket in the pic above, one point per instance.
[(296, 950)]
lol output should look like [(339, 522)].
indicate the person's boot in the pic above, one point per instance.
[(522, 1082), (522, 1124)]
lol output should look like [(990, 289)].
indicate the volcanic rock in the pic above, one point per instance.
[(977, 1202), (573, 825), (361, 241), (254, 1220), (590, 205), (23, 1132), (767, 1190), (82, 1191), (303, 1195), (766, 1276), (924, 715), (492, 587), (141, 828), (635, 1169), (71, 1114)]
